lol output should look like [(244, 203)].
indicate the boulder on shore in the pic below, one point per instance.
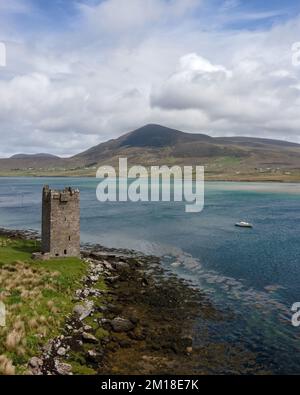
[(120, 324)]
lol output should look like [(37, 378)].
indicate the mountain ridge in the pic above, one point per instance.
[(155, 144), (34, 156)]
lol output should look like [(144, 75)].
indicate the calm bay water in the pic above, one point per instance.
[(253, 273)]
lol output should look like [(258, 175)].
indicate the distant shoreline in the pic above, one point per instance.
[(255, 180)]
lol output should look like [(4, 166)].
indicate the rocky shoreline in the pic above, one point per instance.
[(21, 234), (141, 323), (132, 317)]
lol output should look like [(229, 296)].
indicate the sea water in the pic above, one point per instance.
[(252, 275)]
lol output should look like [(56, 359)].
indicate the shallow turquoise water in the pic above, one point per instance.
[(254, 273)]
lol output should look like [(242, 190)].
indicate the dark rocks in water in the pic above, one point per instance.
[(156, 347), (120, 324), (144, 281), (111, 308), (94, 356), (99, 255), (134, 320), (121, 266), (125, 343), (112, 279), (112, 347), (105, 340), (137, 334), (187, 341), (183, 344)]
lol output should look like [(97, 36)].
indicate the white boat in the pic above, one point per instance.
[(244, 224)]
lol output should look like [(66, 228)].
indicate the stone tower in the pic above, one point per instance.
[(61, 222)]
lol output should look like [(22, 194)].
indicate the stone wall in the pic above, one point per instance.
[(61, 222)]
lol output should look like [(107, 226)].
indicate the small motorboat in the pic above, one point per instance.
[(244, 224)]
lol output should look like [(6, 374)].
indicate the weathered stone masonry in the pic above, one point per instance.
[(61, 222)]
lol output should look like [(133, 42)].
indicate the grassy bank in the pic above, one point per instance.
[(38, 297)]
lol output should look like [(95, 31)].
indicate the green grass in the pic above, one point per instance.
[(228, 161), (13, 250), (81, 368), (38, 296), (83, 172)]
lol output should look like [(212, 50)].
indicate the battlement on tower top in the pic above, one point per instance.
[(63, 195)]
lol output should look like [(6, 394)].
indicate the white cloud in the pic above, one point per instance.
[(249, 96), (125, 64), (115, 16), (193, 66)]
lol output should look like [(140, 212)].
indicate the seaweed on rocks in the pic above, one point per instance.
[(132, 317)]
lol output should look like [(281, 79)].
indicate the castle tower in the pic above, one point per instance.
[(61, 222)]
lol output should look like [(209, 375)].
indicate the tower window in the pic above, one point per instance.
[(65, 252)]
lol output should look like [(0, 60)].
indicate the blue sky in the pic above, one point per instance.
[(249, 14), (81, 72)]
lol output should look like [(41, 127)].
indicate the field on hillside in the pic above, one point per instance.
[(223, 169)]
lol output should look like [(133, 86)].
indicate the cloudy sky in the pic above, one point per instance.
[(79, 72)]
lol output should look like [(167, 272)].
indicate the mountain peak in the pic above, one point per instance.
[(152, 135), (157, 136)]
